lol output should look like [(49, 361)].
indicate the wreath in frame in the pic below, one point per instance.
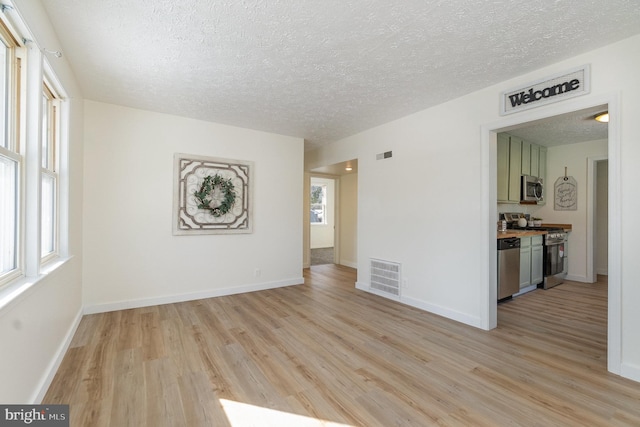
[(216, 194)]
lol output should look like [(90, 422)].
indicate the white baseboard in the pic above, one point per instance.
[(146, 302), (367, 288), (349, 264), (575, 278), (426, 306), (57, 360), (362, 286), (630, 371), (444, 312)]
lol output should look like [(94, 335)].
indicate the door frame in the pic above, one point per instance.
[(307, 219), (489, 214), (592, 161)]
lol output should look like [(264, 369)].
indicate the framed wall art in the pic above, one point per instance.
[(565, 193), (212, 195)]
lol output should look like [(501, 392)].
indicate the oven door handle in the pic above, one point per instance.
[(554, 242)]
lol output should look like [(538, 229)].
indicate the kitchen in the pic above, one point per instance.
[(564, 239), (530, 254)]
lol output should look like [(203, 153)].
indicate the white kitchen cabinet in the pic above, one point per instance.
[(542, 173), (535, 160), (515, 169), (531, 263), (537, 266), (509, 168), (526, 158), (516, 158), (525, 262), (542, 165)]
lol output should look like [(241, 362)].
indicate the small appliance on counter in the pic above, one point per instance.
[(515, 220)]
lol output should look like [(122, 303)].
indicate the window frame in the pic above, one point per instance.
[(36, 113), (50, 166), (12, 147), (323, 204)]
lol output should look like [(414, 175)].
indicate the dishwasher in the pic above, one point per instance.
[(508, 267)]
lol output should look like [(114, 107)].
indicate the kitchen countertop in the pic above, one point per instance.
[(525, 233), (567, 227), (519, 233)]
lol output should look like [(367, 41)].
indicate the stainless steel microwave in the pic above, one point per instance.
[(532, 189)]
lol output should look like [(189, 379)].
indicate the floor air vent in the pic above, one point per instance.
[(385, 277)]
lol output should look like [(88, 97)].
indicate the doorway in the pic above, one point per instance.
[(322, 197), (489, 160), (344, 175), (598, 218), (601, 231)]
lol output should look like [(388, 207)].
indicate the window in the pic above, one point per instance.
[(318, 204), (49, 174), (30, 157), (9, 167), (5, 62), (10, 158)]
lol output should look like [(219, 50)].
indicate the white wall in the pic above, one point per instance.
[(424, 206), (574, 158), (349, 220), (322, 235), (132, 258), (36, 327), (419, 207)]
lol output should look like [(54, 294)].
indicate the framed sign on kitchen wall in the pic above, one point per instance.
[(212, 195), (565, 194)]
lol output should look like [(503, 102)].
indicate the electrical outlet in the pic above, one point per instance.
[(405, 282), (257, 272)]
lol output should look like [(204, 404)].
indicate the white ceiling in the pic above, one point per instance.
[(338, 168), (321, 70), (569, 128)]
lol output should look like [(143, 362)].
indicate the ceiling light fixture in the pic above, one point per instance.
[(602, 117), (348, 168)]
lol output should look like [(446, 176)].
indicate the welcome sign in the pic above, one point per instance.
[(552, 89)]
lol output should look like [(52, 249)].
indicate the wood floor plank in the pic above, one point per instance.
[(152, 338), (131, 327), (200, 403), (129, 402), (95, 413), (162, 395), (331, 353)]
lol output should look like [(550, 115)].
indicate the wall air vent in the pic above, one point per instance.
[(385, 155), (385, 277)]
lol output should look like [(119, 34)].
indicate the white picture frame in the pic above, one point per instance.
[(189, 173)]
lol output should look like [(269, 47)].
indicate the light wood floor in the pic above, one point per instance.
[(324, 353)]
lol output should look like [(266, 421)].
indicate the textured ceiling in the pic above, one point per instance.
[(321, 70), (338, 168), (569, 128)]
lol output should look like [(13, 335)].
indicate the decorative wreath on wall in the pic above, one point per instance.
[(216, 195)]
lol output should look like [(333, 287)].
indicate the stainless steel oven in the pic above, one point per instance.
[(555, 258)]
